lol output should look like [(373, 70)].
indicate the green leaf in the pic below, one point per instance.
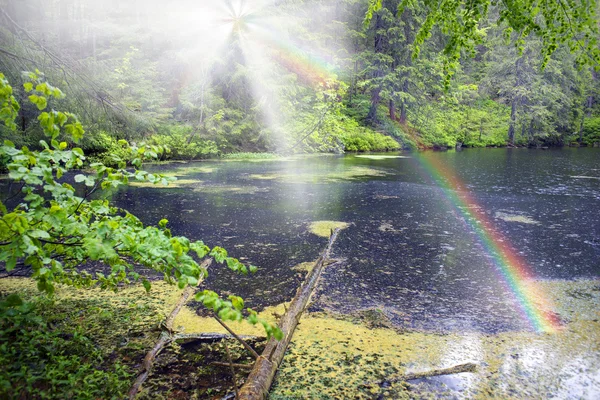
[(28, 86), (238, 302), (79, 178), (39, 234), (147, 285), (13, 300)]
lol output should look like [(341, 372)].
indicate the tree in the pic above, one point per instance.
[(573, 23), (53, 232)]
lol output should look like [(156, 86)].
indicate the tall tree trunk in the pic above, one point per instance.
[(353, 84), (514, 103), (403, 108), (376, 91), (392, 107), (409, 35), (513, 117)]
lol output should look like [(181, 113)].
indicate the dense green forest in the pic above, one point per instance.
[(296, 77)]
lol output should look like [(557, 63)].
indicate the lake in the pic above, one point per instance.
[(412, 250)]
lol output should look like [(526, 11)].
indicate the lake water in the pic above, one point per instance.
[(408, 250)]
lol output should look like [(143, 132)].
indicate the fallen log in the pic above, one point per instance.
[(164, 339), (214, 337), (457, 369), (261, 377)]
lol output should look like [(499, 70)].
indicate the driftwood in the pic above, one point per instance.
[(165, 338), (213, 337), (261, 377), (234, 365), (457, 369), (236, 336)]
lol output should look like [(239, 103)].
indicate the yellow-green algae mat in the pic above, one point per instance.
[(333, 358)]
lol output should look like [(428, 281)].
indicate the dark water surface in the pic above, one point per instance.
[(408, 250)]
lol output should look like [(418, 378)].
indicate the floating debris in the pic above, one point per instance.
[(324, 228), (516, 218)]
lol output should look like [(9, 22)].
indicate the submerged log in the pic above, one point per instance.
[(214, 337), (165, 338), (261, 377), (457, 369)]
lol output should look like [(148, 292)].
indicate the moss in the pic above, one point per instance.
[(344, 357), (324, 228), (120, 327)]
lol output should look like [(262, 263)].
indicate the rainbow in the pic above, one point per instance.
[(513, 270), (311, 68)]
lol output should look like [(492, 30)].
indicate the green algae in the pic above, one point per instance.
[(232, 189), (179, 183), (304, 267), (192, 170), (337, 357), (324, 228), (348, 173), (516, 218), (379, 157), (333, 356)]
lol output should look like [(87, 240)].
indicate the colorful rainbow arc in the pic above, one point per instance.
[(311, 68), (513, 270)]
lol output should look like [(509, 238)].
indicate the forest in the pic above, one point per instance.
[(298, 199), (317, 75)]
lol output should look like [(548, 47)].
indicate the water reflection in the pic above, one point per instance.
[(408, 250)]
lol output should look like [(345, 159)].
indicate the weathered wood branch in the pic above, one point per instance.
[(241, 366), (213, 337), (232, 370), (165, 338), (238, 338), (457, 369), (261, 377)]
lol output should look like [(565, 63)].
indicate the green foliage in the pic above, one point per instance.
[(183, 144), (555, 22), (40, 361), (591, 131), (9, 107), (53, 231), (369, 141)]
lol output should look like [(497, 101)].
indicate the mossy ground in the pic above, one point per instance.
[(342, 356)]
